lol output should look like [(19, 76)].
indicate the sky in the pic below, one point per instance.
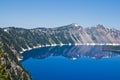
[(55, 13)]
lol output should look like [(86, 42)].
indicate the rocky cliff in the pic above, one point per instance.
[(14, 40)]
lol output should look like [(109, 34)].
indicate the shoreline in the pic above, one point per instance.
[(76, 44)]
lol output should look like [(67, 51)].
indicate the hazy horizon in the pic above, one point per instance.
[(54, 13)]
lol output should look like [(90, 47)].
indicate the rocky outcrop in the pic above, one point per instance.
[(20, 39), (14, 40), (10, 68)]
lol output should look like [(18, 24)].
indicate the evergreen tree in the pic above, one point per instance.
[(3, 71)]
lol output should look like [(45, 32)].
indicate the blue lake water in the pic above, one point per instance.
[(73, 63)]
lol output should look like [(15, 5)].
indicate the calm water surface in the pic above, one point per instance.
[(73, 63)]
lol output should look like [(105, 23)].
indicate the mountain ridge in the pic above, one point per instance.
[(14, 40), (68, 34)]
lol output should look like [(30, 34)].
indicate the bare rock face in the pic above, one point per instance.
[(14, 40), (10, 68), (19, 39)]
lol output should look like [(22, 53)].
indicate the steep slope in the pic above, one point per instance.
[(3, 70), (10, 68), (19, 39), (65, 34), (14, 40)]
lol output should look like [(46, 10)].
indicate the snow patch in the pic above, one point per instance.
[(5, 30), (19, 59), (69, 44), (76, 25), (74, 58), (76, 44)]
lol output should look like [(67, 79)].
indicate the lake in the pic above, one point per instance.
[(73, 63)]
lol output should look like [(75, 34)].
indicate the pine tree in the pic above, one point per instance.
[(3, 71)]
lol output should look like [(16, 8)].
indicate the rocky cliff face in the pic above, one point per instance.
[(19, 39), (14, 40), (10, 68), (73, 33)]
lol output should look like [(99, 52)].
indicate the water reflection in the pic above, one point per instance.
[(73, 52)]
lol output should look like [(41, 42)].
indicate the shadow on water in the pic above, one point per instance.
[(73, 52)]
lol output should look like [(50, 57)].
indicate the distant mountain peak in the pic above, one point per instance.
[(74, 24), (100, 26)]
